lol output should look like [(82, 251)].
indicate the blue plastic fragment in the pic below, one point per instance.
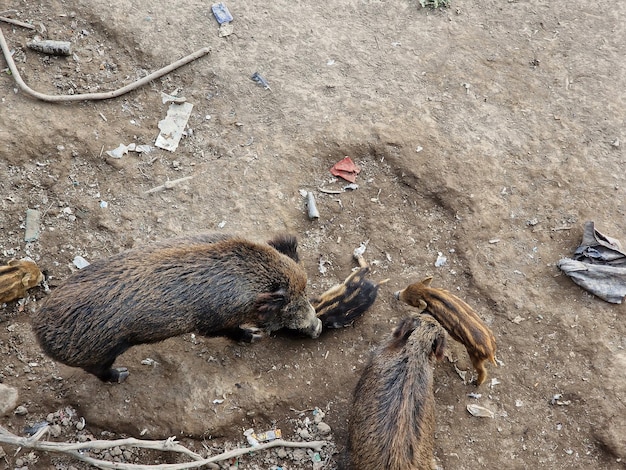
[(222, 15)]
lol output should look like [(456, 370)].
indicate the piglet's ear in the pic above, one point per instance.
[(426, 281), (269, 304), (439, 345)]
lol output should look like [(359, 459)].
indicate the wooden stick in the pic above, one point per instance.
[(16, 22), (94, 96), (168, 185), (169, 444)]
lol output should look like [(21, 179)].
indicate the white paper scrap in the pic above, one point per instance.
[(173, 125)]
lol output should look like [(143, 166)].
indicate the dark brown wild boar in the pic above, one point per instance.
[(210, 284), (392, 419), (458, 318)]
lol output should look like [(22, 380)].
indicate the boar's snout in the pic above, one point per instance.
[(309, 325), (316, 328)]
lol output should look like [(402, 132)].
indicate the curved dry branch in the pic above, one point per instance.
[(169, 444), (93, 96)]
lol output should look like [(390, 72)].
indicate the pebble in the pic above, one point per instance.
[(55, 430), (318, 416), (304, 434), (21, 410), (323, 428), (8, 398)]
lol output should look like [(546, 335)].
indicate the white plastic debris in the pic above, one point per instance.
[(441, 260), (249, 433), (80, 262), (122, 150), (360, 250), (118, 152), (173, 126), (480, 411)]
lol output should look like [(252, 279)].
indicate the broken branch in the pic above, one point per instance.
[(168, 185), (16, 22), (169, 444), (93, 96)]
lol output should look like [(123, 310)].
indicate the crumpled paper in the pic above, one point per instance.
[(598, 265)]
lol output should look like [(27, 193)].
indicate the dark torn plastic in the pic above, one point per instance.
[(598, 265)]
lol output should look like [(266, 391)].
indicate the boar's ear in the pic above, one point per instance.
[(287, 245), (25, 278), (426, 281), (439, 344), (405, 328), (269, 304)]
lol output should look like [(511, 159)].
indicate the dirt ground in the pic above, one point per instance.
[(488, 133)]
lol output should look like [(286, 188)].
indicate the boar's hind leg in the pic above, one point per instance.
[(109, 374)]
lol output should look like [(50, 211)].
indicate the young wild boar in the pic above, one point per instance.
[(458, 318), (208, 284), (16, 278), (343, 303), (392, 420)]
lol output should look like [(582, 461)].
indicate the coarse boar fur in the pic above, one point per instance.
[(210, 284), (458, 318), (392, 419), (16, 277)]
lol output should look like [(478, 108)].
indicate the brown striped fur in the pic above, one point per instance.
[(343, 303), (16, 278), (458, 318), (392, 419)]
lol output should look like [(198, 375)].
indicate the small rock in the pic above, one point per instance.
[(116, 451), (8, 398), (318, 416), (55, 430), (323, 428), (304, 434), (281, 453), (21, 410)]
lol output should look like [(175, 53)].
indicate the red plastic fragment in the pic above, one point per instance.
[(346, 169)]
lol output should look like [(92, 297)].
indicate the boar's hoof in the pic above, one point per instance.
[(251, 334)]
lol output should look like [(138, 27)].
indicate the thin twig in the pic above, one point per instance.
[(168, 185), (16, 22), (170, 444), (94, 96)]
